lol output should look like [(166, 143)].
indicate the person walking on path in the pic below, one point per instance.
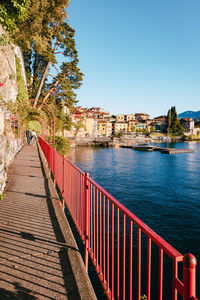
[(34, 137), (28, 136)]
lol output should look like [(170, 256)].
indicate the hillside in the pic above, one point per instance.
[(190, 114)]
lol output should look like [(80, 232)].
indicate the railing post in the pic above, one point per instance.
[(14, 136), (189, 276), (50, 161), (86, 196), (54, 168), (63, 182)]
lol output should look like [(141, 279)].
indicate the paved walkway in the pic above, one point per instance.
[(39, 258)]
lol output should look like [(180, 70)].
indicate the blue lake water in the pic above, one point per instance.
[(162, 190)]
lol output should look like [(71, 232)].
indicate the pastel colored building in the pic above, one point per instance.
[(91, 127), (120, 118), (142, 116), (188, 124), (105, 128), (129, 117), (132, 125), (120, 127)]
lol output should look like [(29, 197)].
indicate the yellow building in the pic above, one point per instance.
[(130, 117), (105, 128), (132, 125), (120, 127), (120, 118), (91, 126)]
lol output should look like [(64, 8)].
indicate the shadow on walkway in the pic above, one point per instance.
[(38, 256)]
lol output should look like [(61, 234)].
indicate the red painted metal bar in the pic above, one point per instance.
[(112, 251), (14, 134), (86, 219), (100, 235), (123, 258), (94, 226), (63, 182), (118, 247), (97, 229), (104, 242), (175, 274), (160, 276), (189, 276), (139, 264), (108, 253), (102, 223), (131, 260), (91, 224), (148, 269)]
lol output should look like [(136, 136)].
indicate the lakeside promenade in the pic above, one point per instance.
[(39, 257)]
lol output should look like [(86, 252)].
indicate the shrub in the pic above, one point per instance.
[(120, 134), (62, 144), (2, 196)]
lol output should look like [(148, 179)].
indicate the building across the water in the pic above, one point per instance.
[(188, 124)]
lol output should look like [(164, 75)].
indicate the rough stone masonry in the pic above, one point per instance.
[(8, 93)]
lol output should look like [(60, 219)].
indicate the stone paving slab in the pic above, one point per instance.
[(39, 258)]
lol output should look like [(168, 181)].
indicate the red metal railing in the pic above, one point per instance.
[(130, 258)]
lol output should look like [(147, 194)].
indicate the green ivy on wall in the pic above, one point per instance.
[(22, 91)]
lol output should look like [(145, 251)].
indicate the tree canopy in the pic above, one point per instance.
[(173, 125), (40, 28), (13, 12)]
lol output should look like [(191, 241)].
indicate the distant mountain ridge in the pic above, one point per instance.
[(190, 114)]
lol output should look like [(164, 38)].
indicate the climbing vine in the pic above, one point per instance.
[(22, 91)]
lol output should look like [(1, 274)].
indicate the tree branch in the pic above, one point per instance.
[(43, 78), (49, 92)]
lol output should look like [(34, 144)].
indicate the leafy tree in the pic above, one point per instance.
[(169, 121), (35, 125), (79, 125), (13, 12), (173, 125), (43, 36), (120, 134), (60, 40), (153, 128), (37, 30), (197, 124), (40, 28), (133, 128)]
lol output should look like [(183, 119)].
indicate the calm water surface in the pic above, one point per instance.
[(162, 190)]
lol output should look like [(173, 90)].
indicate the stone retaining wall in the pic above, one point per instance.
[(8, 93)]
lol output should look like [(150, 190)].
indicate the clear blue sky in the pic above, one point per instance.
[(138, 55)]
